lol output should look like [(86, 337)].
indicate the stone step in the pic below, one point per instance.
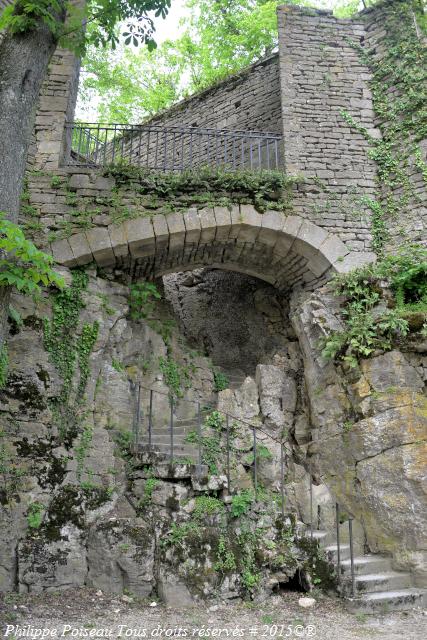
[(164, 458), (387, 601), (164, 438), (332, 552), (376, 582), (365, 565), (165, 446)]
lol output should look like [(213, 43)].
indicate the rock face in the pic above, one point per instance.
[(80, 507), (369, 436)]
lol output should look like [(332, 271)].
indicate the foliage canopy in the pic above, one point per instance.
[(93, 22)]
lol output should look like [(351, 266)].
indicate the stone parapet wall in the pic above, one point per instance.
[(321, 75), (249, 100)]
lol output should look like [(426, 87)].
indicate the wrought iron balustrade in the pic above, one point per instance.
[(171, 148)]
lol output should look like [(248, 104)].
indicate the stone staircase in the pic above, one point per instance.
[(378, 588), (183, 451)]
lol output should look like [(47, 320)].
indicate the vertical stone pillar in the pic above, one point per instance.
[(56, 107), (322, 78)]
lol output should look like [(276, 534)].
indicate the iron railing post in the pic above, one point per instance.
[(199, 434), (138, 416), (337, 520), (350, 533), (282, 479), (227, 422), (171, 429), (311, 502), (150, 420), (255, 465)]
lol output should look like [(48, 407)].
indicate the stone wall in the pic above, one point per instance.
[(320, 75), (368, 430), (50, 143), (410, 221)]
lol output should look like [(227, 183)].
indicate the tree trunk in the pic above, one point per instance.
[(23, 66)]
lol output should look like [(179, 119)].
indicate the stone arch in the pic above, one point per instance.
[(282, 250)]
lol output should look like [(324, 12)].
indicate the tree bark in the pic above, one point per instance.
[(23, 66)]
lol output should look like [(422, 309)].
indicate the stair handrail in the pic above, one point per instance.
[(228, 417), (211, 408), (337, 526)]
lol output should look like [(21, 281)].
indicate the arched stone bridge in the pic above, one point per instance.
[(282, 250)]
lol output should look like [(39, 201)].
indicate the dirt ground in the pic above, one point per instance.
[(85, 613)]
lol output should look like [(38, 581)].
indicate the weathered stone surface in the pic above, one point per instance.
[(372, 464), (100, 245), (120, 556), (49, 567), (173, 591)]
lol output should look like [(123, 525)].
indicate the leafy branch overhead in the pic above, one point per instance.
[(91, 22)]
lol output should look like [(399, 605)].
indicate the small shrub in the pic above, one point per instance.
[(374, 320), (22, 265), (142, 300), (35, 515), (176, 376), (221, 381), (206, 506), (241, 503)]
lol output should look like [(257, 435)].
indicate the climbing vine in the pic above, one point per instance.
[(68, 350)]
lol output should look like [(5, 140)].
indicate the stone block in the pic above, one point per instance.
[(309, 239), (42, 198), (53, 103), (192, 227), (80, 248), (333, 248), (223, 223), (251, 222), (119, 241), (140, 237), (62, 253), (207, 225), (79, 181), (49, 147), (353, 261), (272, 224), (161, 231), (318, 263), (100, 244), (103, 184), (176, 226), (235, 223)]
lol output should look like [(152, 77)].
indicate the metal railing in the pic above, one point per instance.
[(179, 411), (350, 519), (171, 148)]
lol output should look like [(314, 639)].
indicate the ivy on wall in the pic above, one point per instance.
[(69, 348), (399, 92)]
